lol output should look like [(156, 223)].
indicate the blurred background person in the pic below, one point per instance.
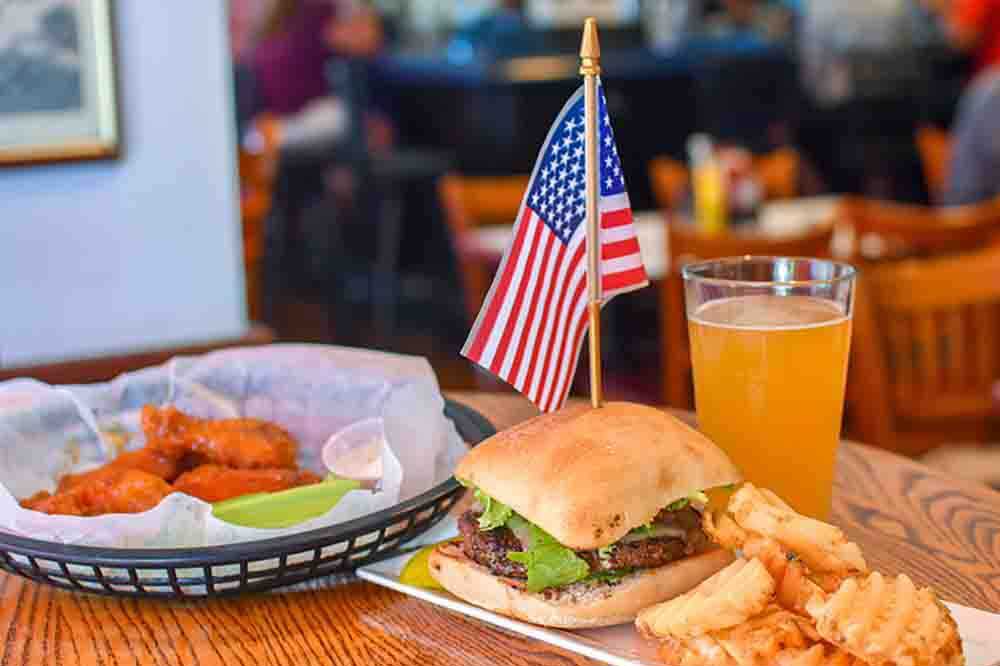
[(973, 27), (859, 64), (974, 168), (759, 18), (297, 40)]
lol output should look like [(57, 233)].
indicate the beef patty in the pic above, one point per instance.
[(490, 548)]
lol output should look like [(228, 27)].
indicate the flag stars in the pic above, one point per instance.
[(559, 193)]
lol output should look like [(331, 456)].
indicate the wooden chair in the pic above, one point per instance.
[(470, 203), (934, 146), (903, 230), (685, 244), (926, 351), (777, 172)]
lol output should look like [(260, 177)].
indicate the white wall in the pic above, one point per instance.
[(145, 251)]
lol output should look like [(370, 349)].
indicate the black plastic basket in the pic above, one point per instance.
[(254, 566)]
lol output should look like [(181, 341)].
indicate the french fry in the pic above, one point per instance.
[(776, 637), (723, 530), (697, 651), (733, 595), (817, 655), (888, 622), (822, 547), (763, 637), (799, 595)]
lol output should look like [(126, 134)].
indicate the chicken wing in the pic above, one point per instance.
[(114, 491), (146, 460), (213, 483), (239, 443)]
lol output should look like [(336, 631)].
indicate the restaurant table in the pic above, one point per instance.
[(906, 517)]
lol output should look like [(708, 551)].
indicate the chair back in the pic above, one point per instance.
[(669, 180), (926, 351), (777, 172), (911, 230), (472, 202), (685, 245), (934, 146)]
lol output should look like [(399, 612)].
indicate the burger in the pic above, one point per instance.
[(585, 516)]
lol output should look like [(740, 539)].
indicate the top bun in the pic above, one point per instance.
[(587, 476)]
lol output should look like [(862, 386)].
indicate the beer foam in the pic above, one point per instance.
[(770, 312)]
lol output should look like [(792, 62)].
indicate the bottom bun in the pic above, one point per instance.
[(579, 605)]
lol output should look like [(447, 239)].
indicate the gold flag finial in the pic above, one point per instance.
[(590, 49)]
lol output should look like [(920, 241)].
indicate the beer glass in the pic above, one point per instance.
[(770, 338)]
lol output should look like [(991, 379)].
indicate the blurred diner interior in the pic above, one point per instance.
[(348, 172)]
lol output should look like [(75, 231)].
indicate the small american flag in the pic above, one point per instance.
[(530, 328)]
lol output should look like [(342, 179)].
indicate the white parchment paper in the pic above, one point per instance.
[(313, 391)]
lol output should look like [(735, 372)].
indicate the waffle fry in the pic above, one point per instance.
[(773, 638), (733, 595), (888, 622), (723, 530), (800, 595), (697, 651), (795, 584), (822, 547), (763, 637), (817, 655)]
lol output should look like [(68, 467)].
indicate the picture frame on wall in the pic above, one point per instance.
[(58, 99)]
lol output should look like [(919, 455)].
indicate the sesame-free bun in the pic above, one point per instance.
[(587, 476), (579, 605)]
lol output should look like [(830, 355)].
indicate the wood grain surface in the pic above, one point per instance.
[(906, 517)]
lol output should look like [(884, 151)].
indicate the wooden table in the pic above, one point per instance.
[(906, 517)]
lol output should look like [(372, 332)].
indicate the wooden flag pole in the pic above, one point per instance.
[(590, 69)]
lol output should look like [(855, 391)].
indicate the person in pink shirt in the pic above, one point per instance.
[(281, 49)]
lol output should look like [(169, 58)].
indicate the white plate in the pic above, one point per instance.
[(622, 645)]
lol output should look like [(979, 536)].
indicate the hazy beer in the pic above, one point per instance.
[(769, 375)]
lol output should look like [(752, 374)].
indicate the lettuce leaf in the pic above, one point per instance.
[(495, 513), (679, 504), (548, 562), (698, 496)]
